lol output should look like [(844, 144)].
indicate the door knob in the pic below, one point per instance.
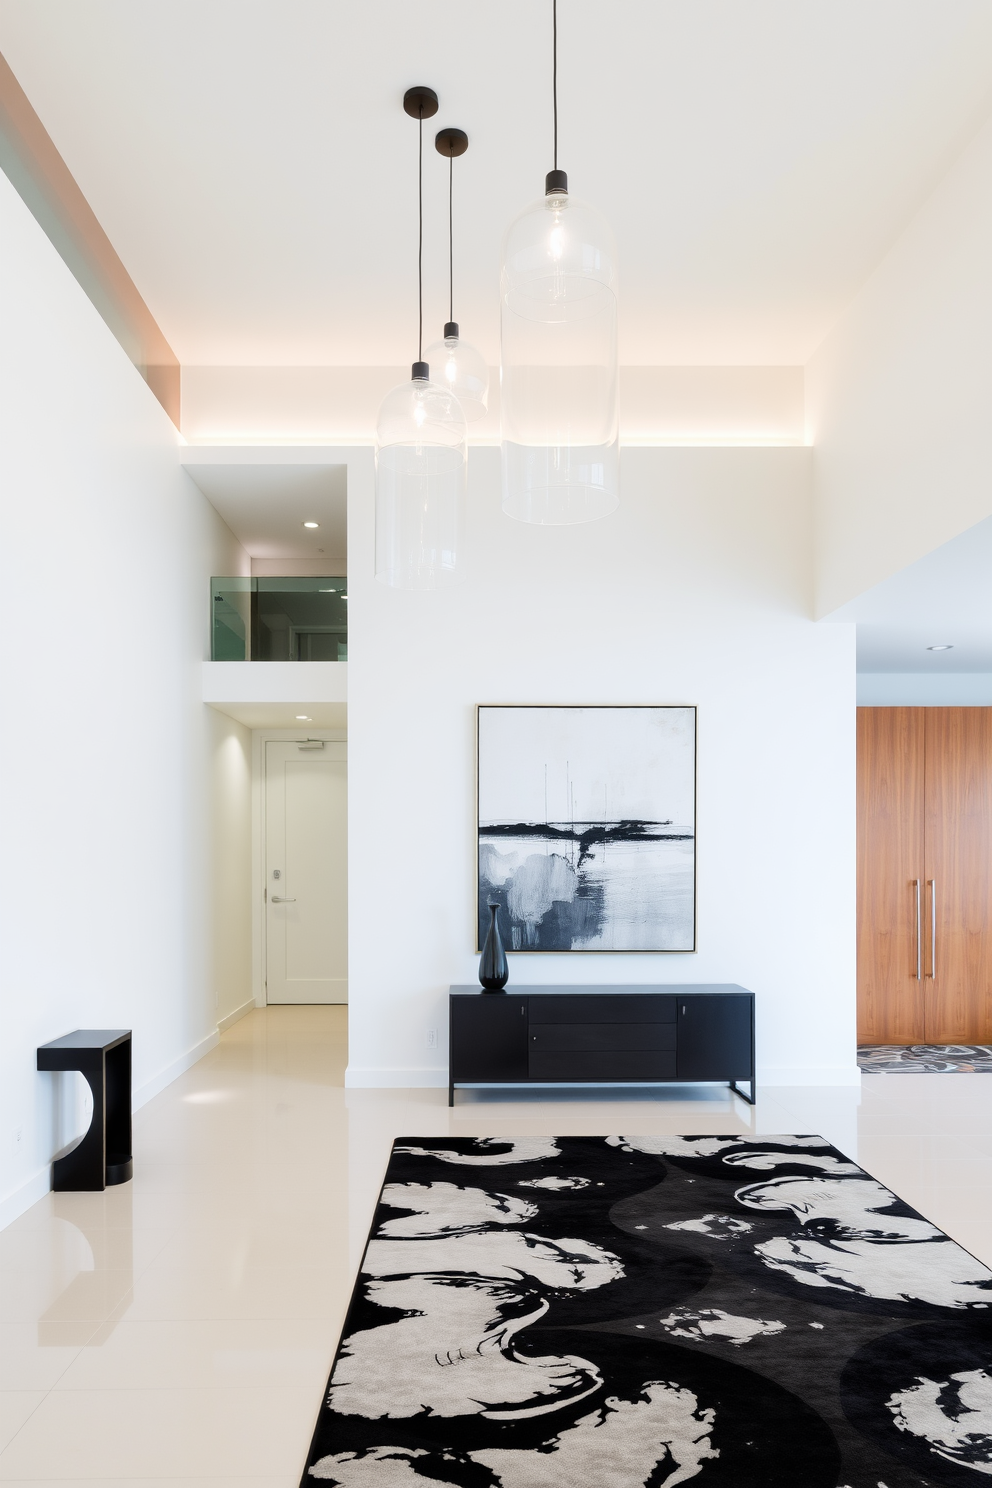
[(276, 900)]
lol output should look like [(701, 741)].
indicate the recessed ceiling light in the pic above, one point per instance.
[(303, 718), (940, 648), (311, 524)]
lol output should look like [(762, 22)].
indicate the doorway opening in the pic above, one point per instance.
[(304, 819)]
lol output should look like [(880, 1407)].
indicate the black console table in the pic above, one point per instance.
[(102, 1155), (606, 1035)]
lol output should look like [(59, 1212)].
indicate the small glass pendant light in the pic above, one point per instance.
[(558, 356), (459, 366), (420, 454)]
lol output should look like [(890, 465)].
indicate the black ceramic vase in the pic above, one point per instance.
[(493, 970)]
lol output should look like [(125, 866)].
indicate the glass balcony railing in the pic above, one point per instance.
[(279, 619)]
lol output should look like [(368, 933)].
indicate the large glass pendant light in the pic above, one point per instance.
[(457, 364), (420, 454), (558, 355)]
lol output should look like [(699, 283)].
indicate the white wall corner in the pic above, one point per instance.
[(898, 394), (146, 1092), (225, 1023), (358, 1077), (16, 1203), (772, 1075)]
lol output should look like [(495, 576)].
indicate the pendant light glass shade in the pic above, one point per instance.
[(558, 364), (420, 479), (420, 455), (462, 370)]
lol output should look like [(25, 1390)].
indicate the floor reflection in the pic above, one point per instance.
[(103, 1242)]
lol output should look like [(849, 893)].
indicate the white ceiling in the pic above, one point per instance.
[(318, 716), (892, 648), (944, 599), (252, 165), (266, 505)]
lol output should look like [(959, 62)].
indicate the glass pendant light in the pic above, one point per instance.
[(457, 364), (420, 454), (558, 356)]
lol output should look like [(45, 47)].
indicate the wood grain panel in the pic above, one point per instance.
[(958, 999), (890, 857)]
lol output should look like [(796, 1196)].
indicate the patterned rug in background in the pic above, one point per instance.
[(612, 1312), (930, 1059)]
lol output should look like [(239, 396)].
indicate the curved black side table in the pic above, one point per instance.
[(102, 1155)]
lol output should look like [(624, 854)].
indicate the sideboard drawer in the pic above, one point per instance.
[(488, 1038), (645, 1007), (600, 1037), (602, 1064)]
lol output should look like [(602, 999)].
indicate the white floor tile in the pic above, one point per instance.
[(16, 1407), (102, 1434)]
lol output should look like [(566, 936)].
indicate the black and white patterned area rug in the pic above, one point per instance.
[(610, 1312), (925, 1059)]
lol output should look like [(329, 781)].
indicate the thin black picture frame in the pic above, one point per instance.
[(613, 707)]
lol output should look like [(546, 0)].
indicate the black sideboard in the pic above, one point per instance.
[(605, 1035)]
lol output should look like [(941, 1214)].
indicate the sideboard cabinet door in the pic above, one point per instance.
[(488, 1038), (714, 1037)]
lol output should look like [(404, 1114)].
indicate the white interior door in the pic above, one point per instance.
[(306, 873)]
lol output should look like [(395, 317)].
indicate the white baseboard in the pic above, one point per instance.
[(13, 1205), (839, 1075), (232, 1018), (372, 1077), (157, 1083)]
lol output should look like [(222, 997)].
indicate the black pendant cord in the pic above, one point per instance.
[(420, 242), (554, 70), (451, 238)]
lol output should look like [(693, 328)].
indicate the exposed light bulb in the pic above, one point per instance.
[(559, 427), (465, 372)]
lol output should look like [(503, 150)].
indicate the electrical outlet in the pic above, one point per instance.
[(432, 1038)]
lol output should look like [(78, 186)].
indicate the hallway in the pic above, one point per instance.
[(179, 1329)]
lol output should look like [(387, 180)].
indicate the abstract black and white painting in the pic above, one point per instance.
[(736, 1311), (587, 827)]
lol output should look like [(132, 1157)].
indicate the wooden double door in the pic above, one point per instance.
[(925, 875)]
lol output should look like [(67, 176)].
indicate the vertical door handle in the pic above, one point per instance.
[(933, 929), (919, 933)]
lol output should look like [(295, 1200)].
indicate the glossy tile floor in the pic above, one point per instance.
[(179, 1329)]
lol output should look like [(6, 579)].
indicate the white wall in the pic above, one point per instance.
[(658, 405), (898, 395), (697, 590), (230, 867), (106, 748)]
